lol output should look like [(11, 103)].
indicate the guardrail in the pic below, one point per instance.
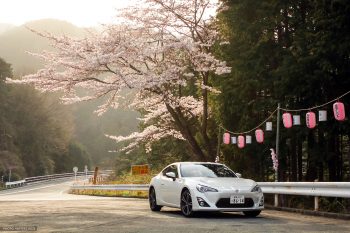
[(315, 189), (15, 184), (54, 176), (37, 179)]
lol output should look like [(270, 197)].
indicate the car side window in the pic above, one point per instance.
[(171, 168), (165, 170)]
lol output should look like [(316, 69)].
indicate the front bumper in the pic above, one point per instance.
[(220, 201)]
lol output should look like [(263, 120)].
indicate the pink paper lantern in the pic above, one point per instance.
[(259, 135), (287, 120), (241, 142), (311, 120), (339, 111), (227, 138)]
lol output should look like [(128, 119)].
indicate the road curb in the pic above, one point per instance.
[(310, 212)]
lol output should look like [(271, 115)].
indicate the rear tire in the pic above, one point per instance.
[(252, 214), (153, 200), (186, 203)]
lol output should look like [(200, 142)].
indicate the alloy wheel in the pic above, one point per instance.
[(186, 204)]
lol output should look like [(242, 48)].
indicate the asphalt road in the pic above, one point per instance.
[(51, 209)]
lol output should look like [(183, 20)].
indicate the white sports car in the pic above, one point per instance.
[(201, 186)]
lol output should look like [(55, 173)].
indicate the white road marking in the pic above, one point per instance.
[(28, 190)]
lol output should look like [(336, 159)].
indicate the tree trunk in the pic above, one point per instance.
[(293, 153), (332, 158), (311, 173), (187, 134), (209, 147), (300, 158)]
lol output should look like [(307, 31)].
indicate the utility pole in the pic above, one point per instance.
[(277, 139), (219, 142), (277, 149)]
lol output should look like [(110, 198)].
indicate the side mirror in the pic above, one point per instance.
[(239, 175), (170, 175)]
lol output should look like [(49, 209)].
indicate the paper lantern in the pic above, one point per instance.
[(287, 120), (248, 139), (233, 140), (311, 120), (339, 111), (296, 119), (226, 138), (259, 135), (269, 126), (241, 142), (322, 115)]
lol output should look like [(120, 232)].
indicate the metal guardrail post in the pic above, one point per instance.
[(276, 200), (316, 204)]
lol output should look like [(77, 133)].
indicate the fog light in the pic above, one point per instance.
[(202, 203), (261, 203)]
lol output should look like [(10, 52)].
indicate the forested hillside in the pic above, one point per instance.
[(292, 53), (39, 135), (36, 132)]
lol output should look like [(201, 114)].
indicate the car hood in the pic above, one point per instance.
[(225, 183)]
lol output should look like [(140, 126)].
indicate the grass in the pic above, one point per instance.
[(106, 193), (123, 179)]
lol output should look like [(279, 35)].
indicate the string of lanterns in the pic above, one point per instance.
[(243, 138)]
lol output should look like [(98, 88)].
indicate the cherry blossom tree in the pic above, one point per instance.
[(158, 50)]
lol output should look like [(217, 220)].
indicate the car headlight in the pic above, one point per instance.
[(256, 189), (204, 189)]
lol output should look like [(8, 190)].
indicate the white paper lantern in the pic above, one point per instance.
[(322, 115), (248, 139), (269, 126), (296, 119), (233, 140)]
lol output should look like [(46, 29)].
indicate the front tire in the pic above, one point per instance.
[(153, 200), (186, 203), (252, 214)]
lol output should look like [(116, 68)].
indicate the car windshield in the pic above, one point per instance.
[(206, 170)]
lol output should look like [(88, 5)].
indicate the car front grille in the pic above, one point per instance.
[(225, 203)]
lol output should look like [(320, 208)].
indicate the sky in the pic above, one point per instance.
[(83, 13)]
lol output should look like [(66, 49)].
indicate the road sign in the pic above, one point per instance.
[(75, 170), (140, 169), (86, 171)]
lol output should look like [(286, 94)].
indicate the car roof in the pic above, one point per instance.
[(179, 163)]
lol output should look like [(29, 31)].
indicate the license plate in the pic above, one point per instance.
[(237, 199)]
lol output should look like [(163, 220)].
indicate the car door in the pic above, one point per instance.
[(171, 188), (161, 191)]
